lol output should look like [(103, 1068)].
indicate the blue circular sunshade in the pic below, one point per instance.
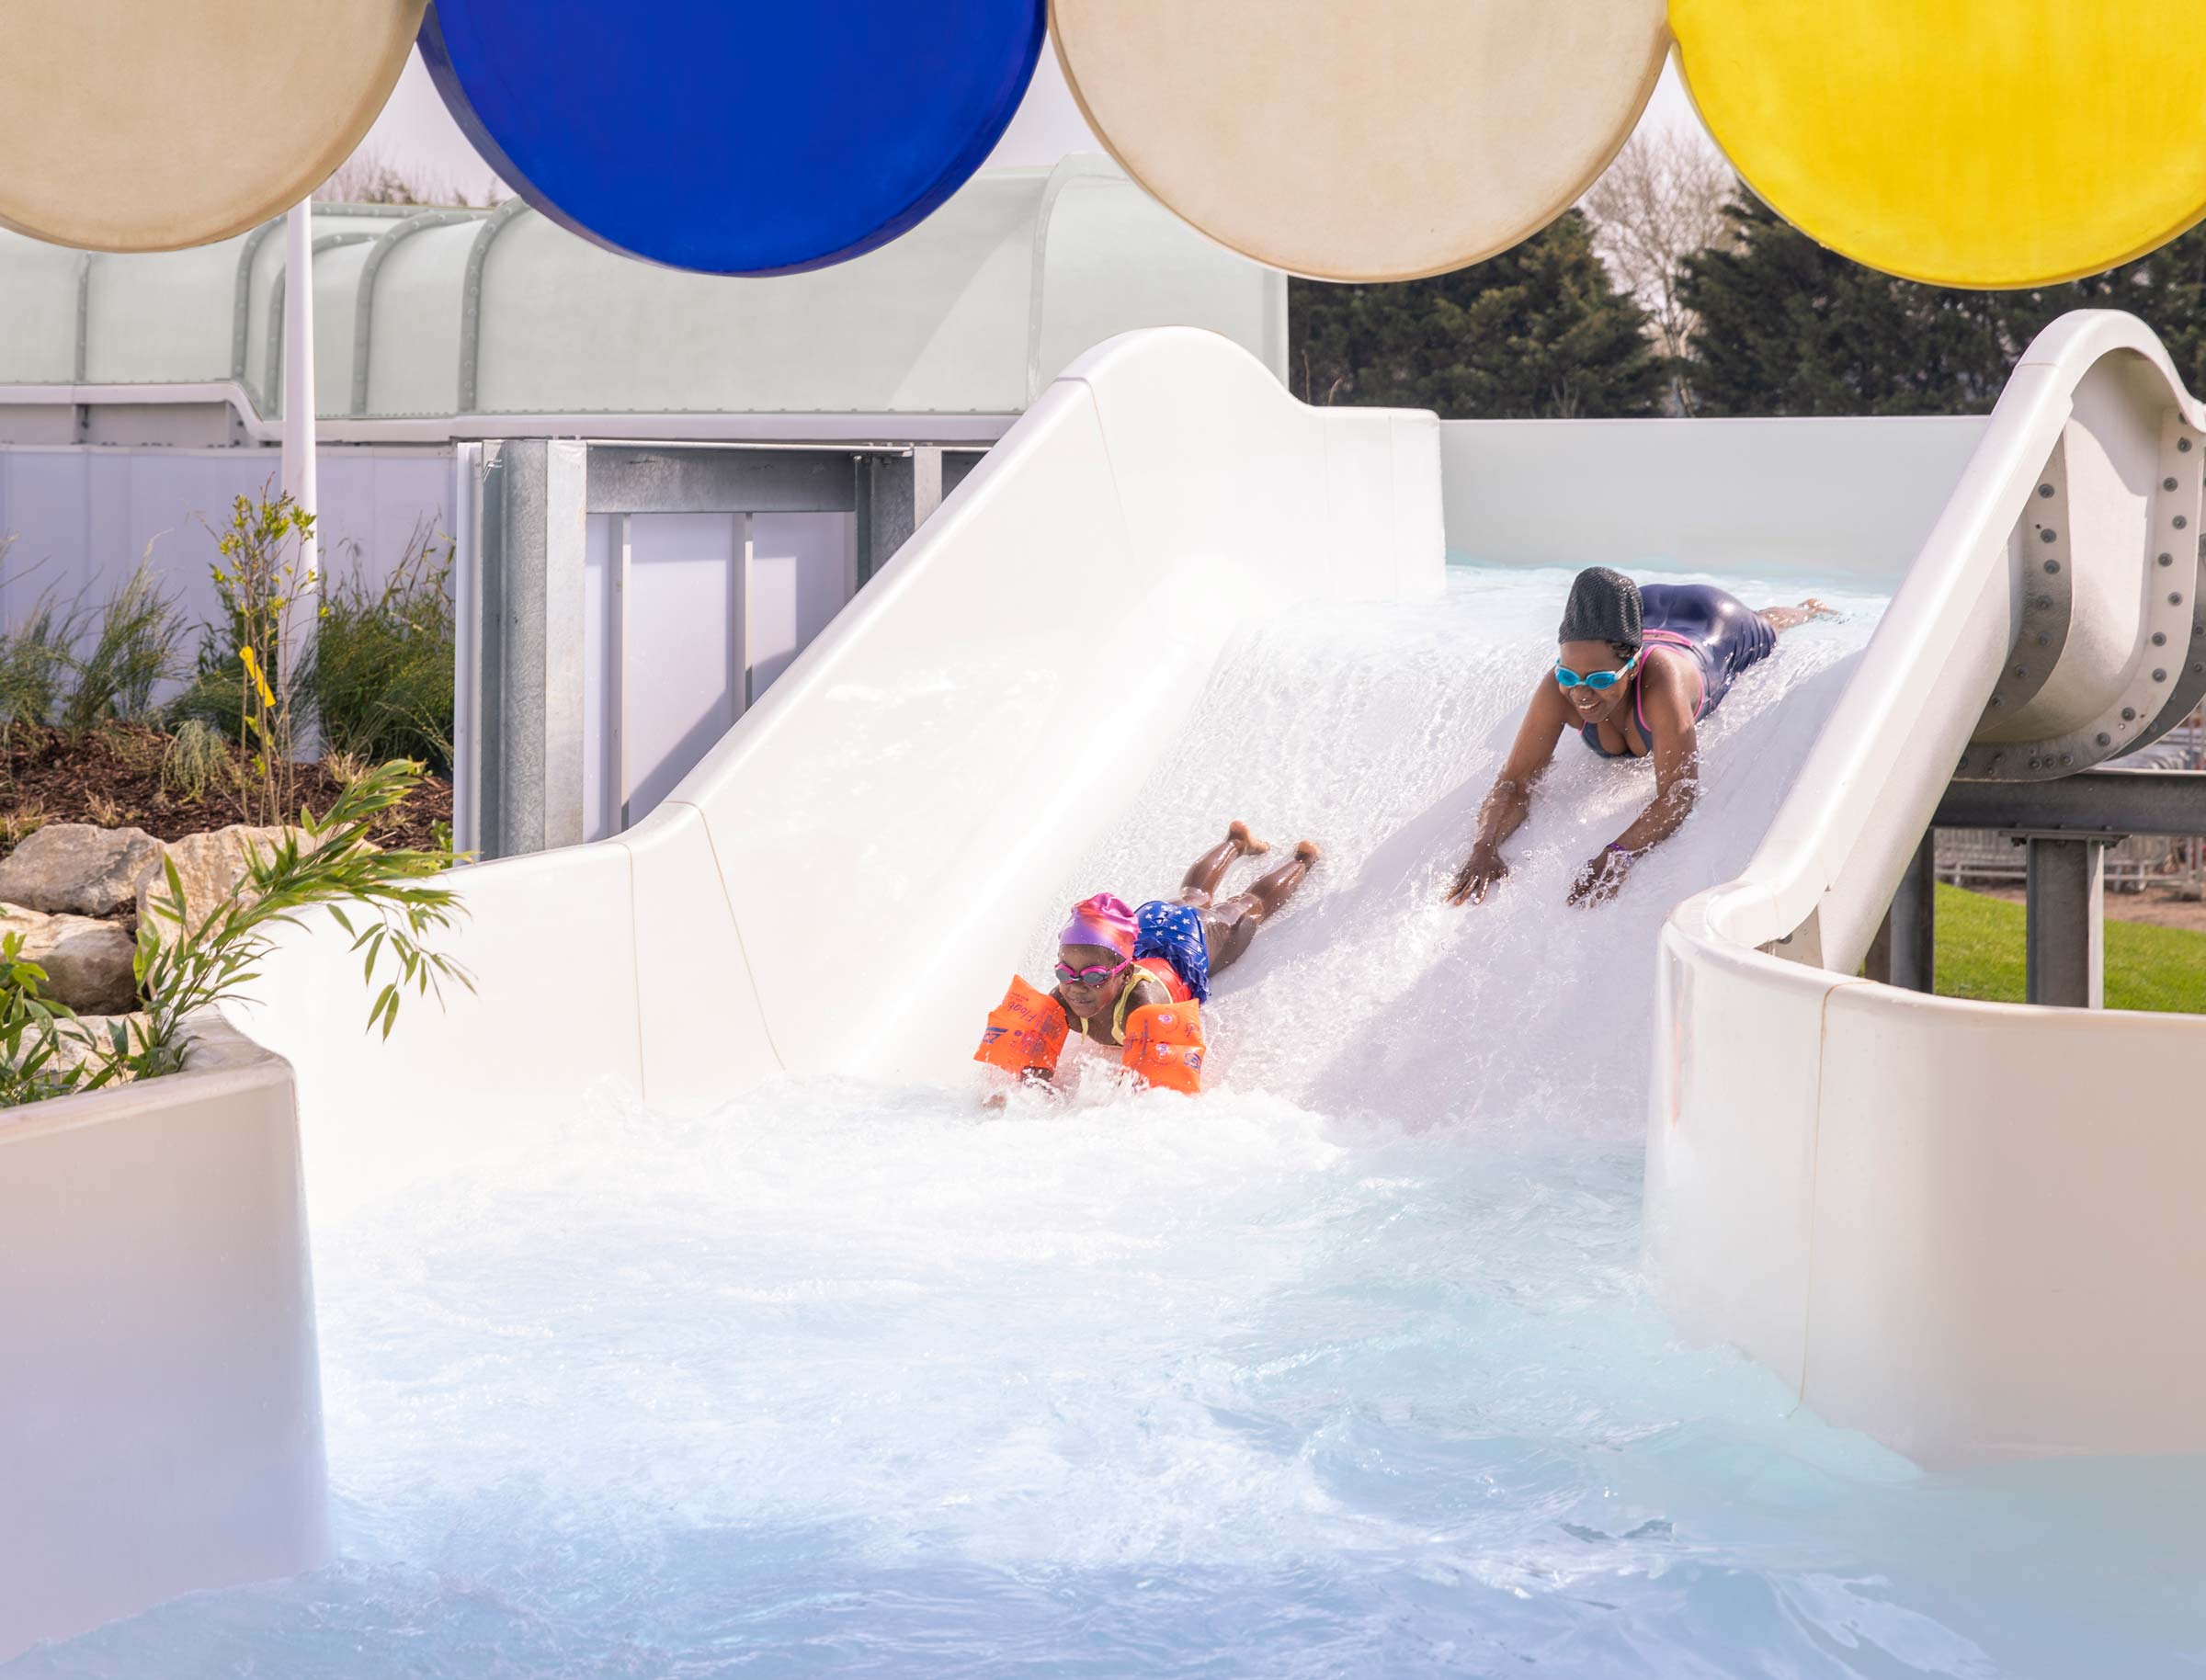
[(734, 136)]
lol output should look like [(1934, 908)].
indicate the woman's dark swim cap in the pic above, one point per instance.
[(1604, 606)]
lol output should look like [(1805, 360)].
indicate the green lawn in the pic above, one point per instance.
[(1980, 955)]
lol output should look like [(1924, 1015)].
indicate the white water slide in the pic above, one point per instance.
[(1966, 1227)]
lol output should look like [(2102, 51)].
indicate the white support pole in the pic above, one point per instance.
[(299, 461)]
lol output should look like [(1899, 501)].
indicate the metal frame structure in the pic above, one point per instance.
[(2066, 826), (523, 507)]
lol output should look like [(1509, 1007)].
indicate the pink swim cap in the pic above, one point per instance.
[(1102, 920)]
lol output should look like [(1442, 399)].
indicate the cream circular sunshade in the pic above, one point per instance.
[(144, 125), (1364, 140), (1964, 143)]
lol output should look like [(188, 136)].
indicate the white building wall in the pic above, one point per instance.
[(82, 519)]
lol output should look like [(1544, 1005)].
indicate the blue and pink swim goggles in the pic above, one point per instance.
[(1600, 682)]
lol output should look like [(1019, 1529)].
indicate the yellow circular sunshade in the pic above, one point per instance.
[(144, 125), (1964, 143), (1364, 140)]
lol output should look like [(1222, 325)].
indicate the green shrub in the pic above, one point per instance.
[(35, 662), (196, 757), (380, 674), (135, 652)]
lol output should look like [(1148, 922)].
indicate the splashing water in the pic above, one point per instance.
[(1344, 1369)]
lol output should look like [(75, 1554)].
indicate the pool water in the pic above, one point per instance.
[(1344, 1369)]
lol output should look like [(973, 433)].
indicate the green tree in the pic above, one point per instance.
[(1787, 327), (1538, 332)]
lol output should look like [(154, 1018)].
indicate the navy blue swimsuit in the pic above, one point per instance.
[(1720, 634)]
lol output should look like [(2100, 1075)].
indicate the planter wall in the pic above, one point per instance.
[(160, 1397)]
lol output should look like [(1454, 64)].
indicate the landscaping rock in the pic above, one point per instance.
[(212, 867), (88, 963), (76, 869)]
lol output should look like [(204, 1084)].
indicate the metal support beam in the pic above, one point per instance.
[(616, 675), (2066, 937), (896, 494), (2107, 803), (1906, 952), (530, 548), (629, 479)]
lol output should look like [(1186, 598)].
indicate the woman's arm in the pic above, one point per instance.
[(1510, 800), (1664, 688)]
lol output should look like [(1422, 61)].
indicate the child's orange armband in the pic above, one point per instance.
[(1026, 1030), (1163, 1045)]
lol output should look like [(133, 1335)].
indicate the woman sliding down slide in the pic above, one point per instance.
[(1135, 980), (1636, 670)]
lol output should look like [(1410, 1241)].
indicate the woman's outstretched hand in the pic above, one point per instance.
[(1599, 880), (1481, 873)]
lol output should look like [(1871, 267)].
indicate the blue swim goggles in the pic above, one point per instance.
[(1600, 682)]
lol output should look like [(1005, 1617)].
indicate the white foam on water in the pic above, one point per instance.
[(1344, 1369)]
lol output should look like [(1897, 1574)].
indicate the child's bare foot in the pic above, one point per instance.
[(1250, 845), (1306, 851)]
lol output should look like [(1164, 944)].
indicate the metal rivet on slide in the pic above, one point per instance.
[(1998, 699), (2167, 483), (2045, 601), (2168, 560), (2045, 490), (2174, 600), (2160, 676), (2159, 638), (2105, 739), (2052, 566), (2181, 521), (2128, 714), (2048, 535), (2044, 641), (2021, 672), (2067, 758), (2183, 444)]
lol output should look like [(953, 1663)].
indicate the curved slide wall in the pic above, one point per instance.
[(857, 860), (1970, 1229)]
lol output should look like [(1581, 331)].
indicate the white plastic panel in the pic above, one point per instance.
[(161, 1424), (413, 351), (684, 680), (940, 322), (84, 519), (803, 571), (1102, 229), (1820, 498), (336, 295), (934, 321), (165, 317), (38, 310)]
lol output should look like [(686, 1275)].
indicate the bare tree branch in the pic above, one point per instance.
[(1658, 204)]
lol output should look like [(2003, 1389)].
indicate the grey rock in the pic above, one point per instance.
[(76, 869), (88, 963), (212, 867)]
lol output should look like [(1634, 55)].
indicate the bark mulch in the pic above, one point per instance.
[(111, 775)]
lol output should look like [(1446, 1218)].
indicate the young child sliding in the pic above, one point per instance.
[(1135, 980)]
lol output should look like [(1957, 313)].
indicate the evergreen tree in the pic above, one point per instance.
[(1539, 331), (1787, 327)]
